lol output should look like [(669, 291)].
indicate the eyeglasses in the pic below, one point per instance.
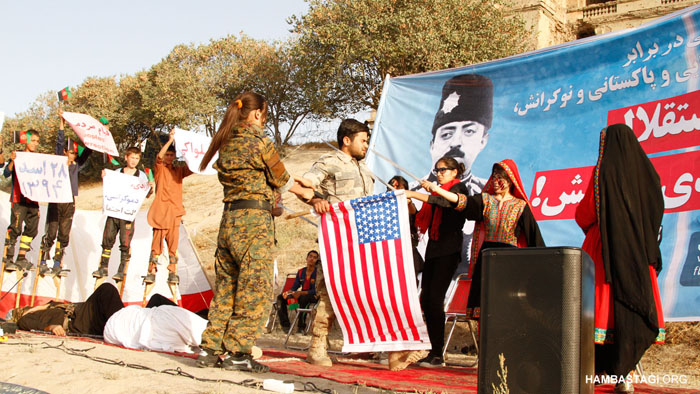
[(439, 170)]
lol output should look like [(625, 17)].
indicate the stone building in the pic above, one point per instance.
[(556, 21)]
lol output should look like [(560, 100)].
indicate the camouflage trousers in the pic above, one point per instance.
[(243, 281), (324, 310)]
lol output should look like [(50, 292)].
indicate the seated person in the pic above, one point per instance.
[(160, 326), (306, 279), (87, 317)]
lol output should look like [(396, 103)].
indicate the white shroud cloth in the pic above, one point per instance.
[(164, 328)]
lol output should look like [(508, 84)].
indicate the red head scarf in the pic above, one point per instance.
[(512, 170), (517, 191)]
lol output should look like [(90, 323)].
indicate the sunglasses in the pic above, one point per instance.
[(439, 170)]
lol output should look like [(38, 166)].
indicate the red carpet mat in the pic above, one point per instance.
[(413, 379)]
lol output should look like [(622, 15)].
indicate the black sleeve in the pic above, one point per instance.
[(475, 208), (457, 188), (528, 225), (41, 319)]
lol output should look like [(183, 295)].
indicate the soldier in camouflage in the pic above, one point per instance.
[(338, 176), (250, 171)]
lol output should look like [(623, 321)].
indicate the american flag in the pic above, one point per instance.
[(368, 269)]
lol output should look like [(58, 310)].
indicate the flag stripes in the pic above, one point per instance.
[(367, 261)]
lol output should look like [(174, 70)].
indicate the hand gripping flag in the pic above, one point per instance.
[(368, 271)]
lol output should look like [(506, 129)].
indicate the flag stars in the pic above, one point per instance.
[(376, 218)]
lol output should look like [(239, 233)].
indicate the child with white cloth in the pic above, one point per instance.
[(164, 328)]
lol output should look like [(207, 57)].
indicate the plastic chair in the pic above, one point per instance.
[(456, 308), (272, 319)]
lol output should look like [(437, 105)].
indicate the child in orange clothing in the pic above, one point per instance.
[(166, 211)]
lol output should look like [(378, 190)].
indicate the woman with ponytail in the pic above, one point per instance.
[(250, 171)]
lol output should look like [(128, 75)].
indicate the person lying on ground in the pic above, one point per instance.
[(62, 318), (160, 326)]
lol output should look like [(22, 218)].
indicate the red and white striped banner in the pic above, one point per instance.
[(368, 269)]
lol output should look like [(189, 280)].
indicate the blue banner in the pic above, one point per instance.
[(545, 110)]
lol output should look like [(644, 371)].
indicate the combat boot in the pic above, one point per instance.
[(318, 352), (101, 271), (44, 269), (23, 263), (119, 276)]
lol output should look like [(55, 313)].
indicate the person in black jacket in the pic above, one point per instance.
[(303, 290), (61, 318), (442, 220)]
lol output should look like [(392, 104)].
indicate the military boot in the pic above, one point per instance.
[(318, 352), (23, 263), (101, 272), (57, 271), (120, 275)]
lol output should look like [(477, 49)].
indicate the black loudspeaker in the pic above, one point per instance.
[(537, 307)]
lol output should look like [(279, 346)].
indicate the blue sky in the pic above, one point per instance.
[(47, 45)]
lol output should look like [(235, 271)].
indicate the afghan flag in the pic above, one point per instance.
[(64, 93), (112, 160), (78, 148), (149, 173), (22, 136)]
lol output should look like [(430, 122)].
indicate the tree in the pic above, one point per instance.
[(359, 42), (184, 89), (290, 83), (294, 89)]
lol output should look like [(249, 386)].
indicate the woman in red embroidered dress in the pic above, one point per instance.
[(621, 215), (503, 220)]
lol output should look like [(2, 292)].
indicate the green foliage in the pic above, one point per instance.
[(361, 41)]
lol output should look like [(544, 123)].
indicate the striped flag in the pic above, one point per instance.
[(368, 270), (64, 94)]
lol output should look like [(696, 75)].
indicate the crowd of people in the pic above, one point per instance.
[(164, 215), (628, 316)]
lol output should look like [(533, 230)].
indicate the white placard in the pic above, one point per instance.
[(123, 195), (94, 134), (43, 178), (192, 146)]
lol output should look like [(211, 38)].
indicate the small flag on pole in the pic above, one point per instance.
[(78, 148), (104, 120), (64, 94), (149, 173), (112, 160), (20, 137)]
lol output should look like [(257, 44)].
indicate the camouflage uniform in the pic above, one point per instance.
[(249, 169), (339, 177)]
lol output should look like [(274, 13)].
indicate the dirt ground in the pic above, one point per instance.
[(65, 365), (53, 370)]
